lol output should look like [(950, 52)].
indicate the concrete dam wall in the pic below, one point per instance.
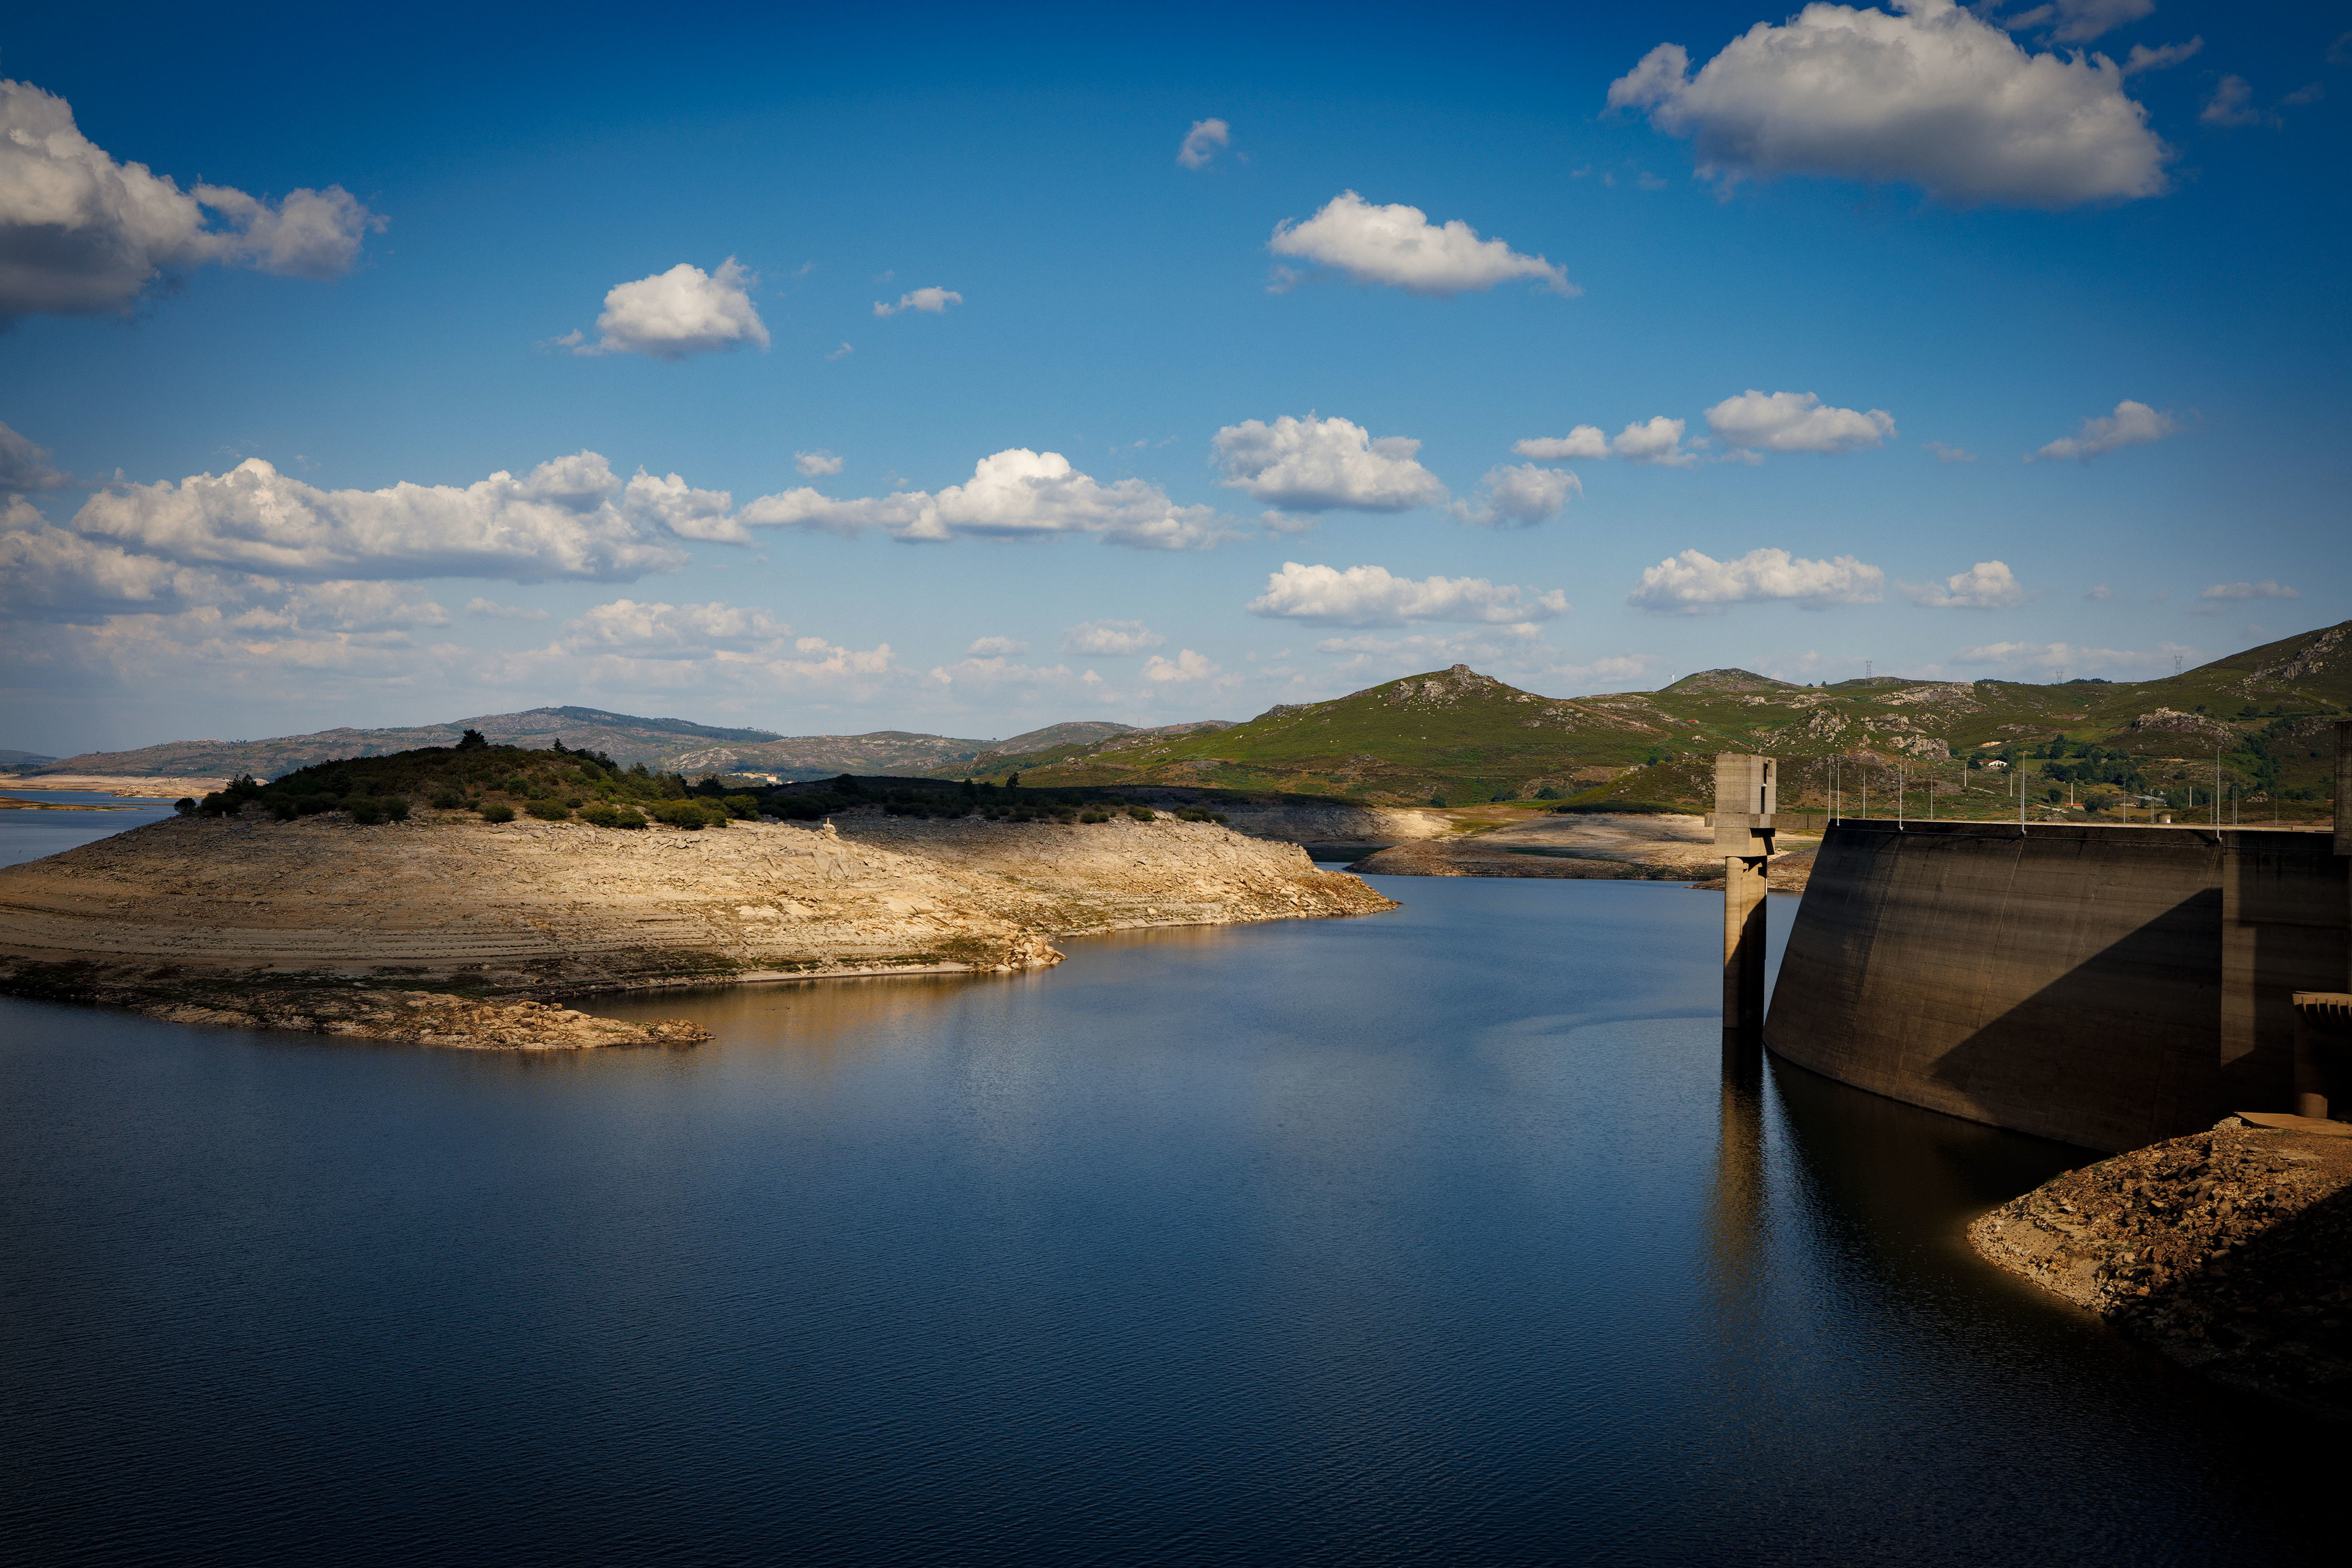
[(2105, 986)]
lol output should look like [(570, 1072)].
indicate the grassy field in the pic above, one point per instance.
[(2258, 725)]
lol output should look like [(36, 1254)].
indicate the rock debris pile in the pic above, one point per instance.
[(2229, 1251)]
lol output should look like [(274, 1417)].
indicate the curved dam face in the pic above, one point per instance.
[(2105, 986)]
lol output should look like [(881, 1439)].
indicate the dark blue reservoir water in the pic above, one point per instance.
[(1434, 1236)]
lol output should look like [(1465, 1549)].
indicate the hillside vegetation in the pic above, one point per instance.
[(1458, 736), (500, 783)]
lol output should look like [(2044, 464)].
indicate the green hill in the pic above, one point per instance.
[(1463, 737)]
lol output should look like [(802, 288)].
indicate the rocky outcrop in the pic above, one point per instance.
[(2193, 726), (445, 901), (2229, 1251)]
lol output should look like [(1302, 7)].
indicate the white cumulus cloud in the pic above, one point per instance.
[(1519, 494), (2231, 103), (2079, 21), (1187, 665), (25, 467), (1692, 582), (1398, 245), (2046, 659), (1929, 94), (996, 648), (635, 631), (83, 235), (565, 518), (1308, 465), (676, 314), (2131, 424), (689, 513), (1110, 639), (1201, 143), (2161, 57), (1657, 440), (816, 465), (2223, 594), (1370, 596), (1988, 585), (1796, 421), (1012, 494), (931, 301)]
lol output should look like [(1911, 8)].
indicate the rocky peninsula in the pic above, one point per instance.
[(448, 928)]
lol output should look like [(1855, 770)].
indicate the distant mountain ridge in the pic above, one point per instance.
[(667, 744), (1464, 737), (1453, 733)]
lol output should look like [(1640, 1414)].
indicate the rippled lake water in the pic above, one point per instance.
[(1432, 1236)]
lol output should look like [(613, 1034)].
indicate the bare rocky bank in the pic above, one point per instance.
[(2228, 1251), (393, 931)]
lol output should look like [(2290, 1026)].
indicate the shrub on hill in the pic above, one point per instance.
[(497, 811)]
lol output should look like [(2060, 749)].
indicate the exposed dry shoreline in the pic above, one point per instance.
[(2228, 1251), (1652, 847), (324, 925)]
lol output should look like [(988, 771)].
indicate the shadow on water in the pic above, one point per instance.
[(1435, 1237)]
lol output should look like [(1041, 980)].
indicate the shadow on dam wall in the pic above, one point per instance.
[(2104, 985)]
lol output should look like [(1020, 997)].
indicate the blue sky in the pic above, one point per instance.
[(2008, 238)]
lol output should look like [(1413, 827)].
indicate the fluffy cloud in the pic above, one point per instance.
[(1014, 494), (1110, 639), (2079, 21), (83, 235), (47, 573), (931, 301), (2231, 103), (2164, 56), (677, 313), (564, 520), (1186, 665), (1201, 143), (2045, 659), (1658, 440), (1399, 246), (996, 648), (2223, 594), (1692, 583), (816, 465), (2131, 424), (1369, 596), (1930, 95), (25, 467), (1988, 585), (672, 631), (1518, 496), (1795, 422), (689, 513), (53, 575), (1309, 465), (1946, 454)]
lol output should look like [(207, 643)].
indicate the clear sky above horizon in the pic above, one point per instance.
[(966, 371)]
